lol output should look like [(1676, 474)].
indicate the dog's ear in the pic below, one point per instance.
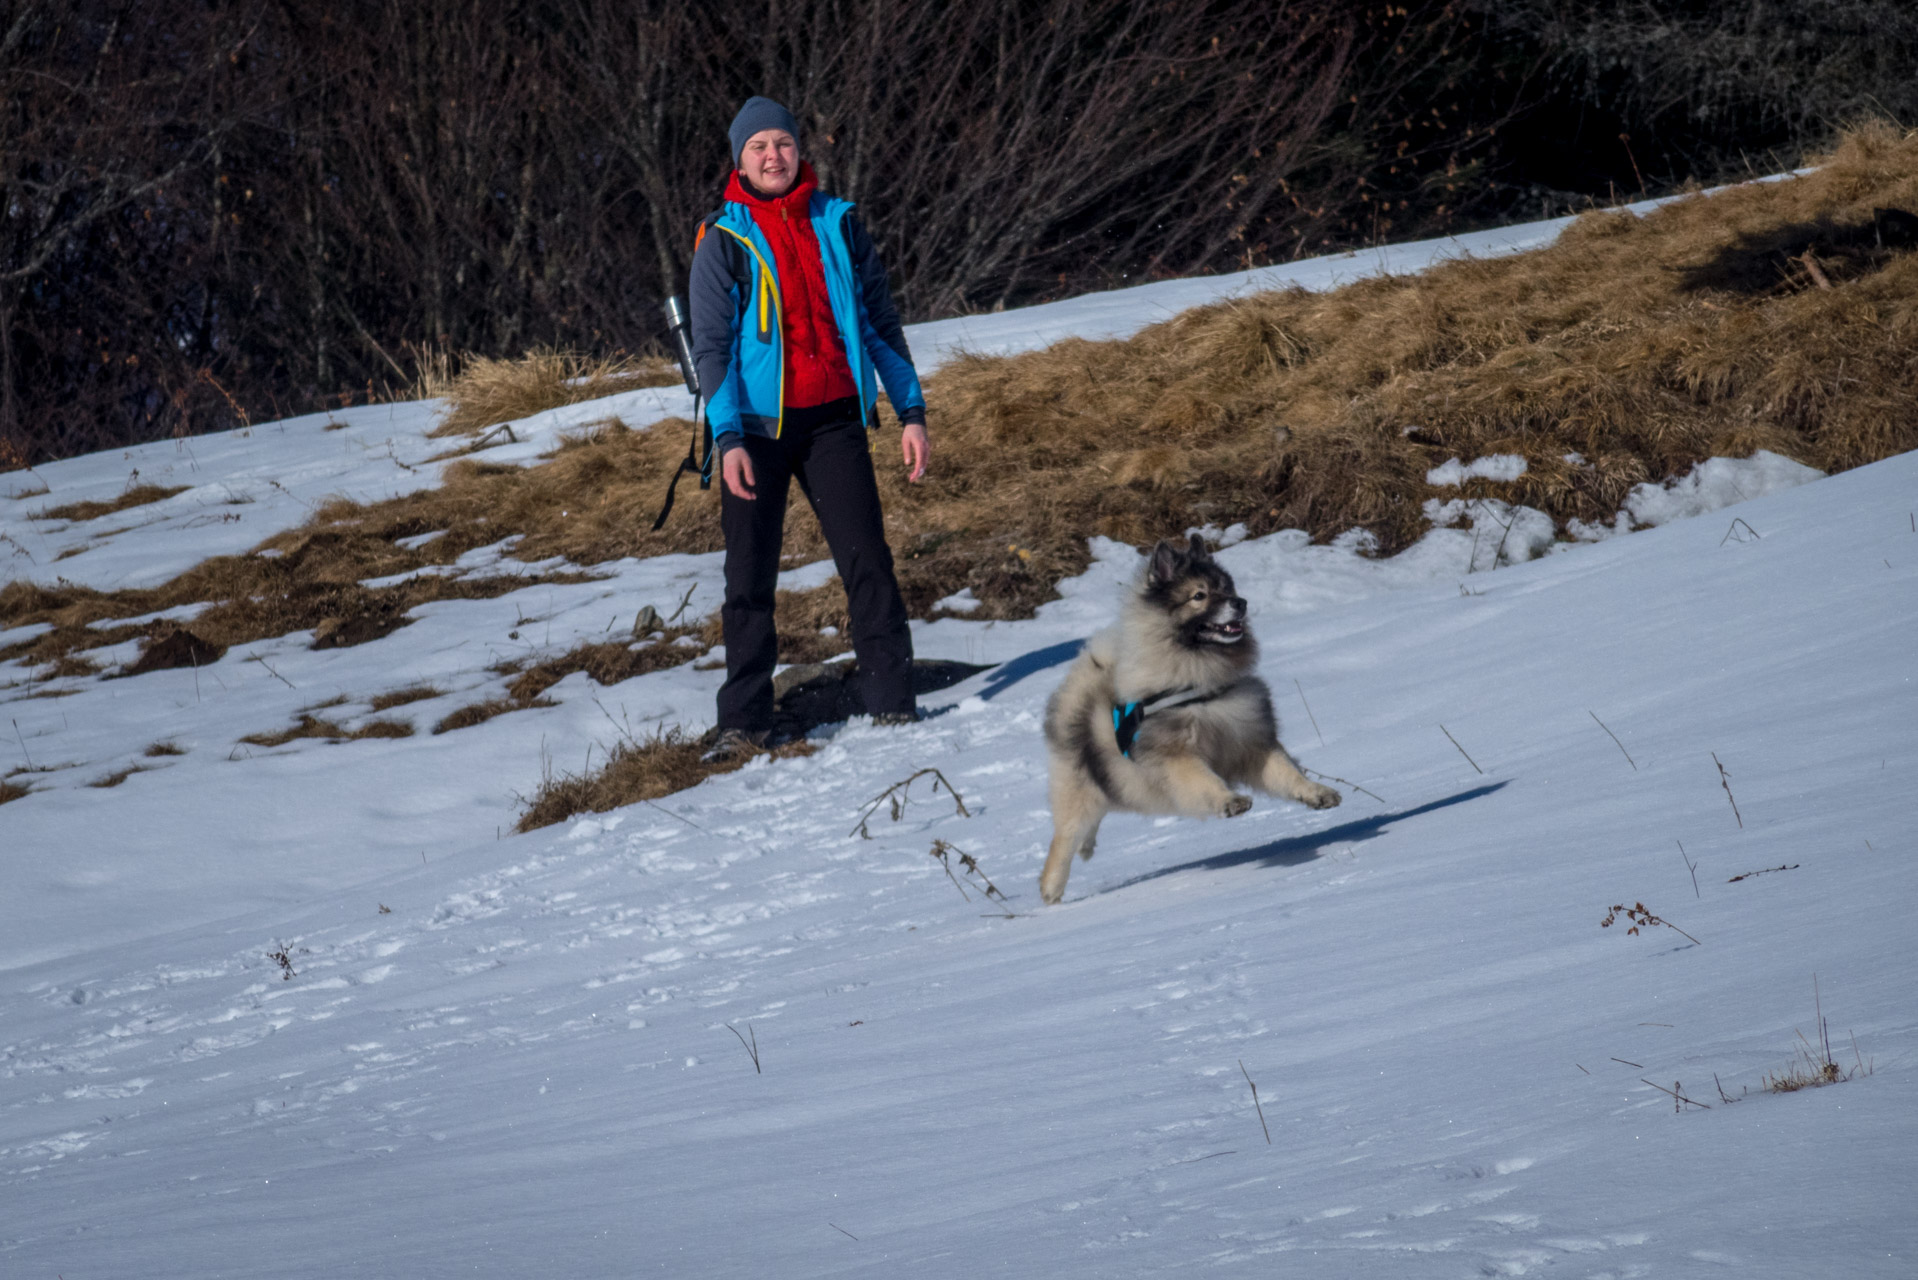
[(1164, 565), (1195, 547)]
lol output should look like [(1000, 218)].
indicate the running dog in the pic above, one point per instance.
[(1162, 713)]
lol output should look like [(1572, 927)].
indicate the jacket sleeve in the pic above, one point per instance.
[(885, 337), (714, 302)]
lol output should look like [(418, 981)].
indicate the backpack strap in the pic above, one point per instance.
[(699, 451)]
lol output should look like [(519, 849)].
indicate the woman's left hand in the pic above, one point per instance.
[(916, 448)]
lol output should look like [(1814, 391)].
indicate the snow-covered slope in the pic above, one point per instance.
[(513, 1055), (526, 1066)]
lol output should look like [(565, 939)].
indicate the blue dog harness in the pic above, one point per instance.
[(1128, 717)]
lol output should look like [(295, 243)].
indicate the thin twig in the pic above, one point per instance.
[(1732, 528), (683, 602), (1214, 1156), (261, 659), (23, 743), (1614, 737), (1639, 1065), (1332, 777), (1792, 866), (1255, 1101), (1673, 1091), (669, 813), (1691, 867), (1308, 711), (1461, 750), (842, 1231), (752, 1048), (1725, 781), (1581, 1069)]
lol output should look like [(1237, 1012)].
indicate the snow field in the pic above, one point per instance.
[(526, 1065)]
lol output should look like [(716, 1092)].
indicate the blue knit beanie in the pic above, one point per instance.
[(759, 114)]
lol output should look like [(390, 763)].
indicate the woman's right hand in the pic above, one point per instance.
[(736, 471)]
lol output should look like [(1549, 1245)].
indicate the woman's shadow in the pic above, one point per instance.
[(1294, 850)]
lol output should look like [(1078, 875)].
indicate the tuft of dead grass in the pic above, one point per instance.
[(480, 712), (311, 726), (138, 495), (487, 391), (400, 697), (9, 791), (118, 776), (1814, 1067), (165, 749), (637, 770)]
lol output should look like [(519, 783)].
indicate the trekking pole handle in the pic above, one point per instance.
[(682, 342)]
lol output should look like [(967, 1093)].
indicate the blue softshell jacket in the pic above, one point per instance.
[(738, 347)]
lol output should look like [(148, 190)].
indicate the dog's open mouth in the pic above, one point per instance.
[(1222, 632)]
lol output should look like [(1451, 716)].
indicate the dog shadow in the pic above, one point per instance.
[(1295, 850), (1009, 673)]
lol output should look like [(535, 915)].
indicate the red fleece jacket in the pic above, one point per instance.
[(816, 368)]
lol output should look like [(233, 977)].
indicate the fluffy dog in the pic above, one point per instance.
[(1161, 713)]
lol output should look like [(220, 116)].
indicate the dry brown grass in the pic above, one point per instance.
[(311, 726), (1643, 344), (8, 791), (138, 495), (480, 712), (165, 749), (639, 769), (118, 776), (486, 391), (400, 697)]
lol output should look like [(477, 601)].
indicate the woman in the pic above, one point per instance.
[(793, 328)]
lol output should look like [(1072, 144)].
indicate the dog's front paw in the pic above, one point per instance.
[(1323, 797), (1236, 805), (1051, 889)]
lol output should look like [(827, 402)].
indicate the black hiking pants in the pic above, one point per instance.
[(825, 449)]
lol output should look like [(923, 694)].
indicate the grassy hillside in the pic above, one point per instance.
[(1781, 316)]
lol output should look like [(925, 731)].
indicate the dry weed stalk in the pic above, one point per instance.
[(751, 1047), (1255, 1102), (1783, 866), (1614, 737), (1641, 917), (1679, 1100), (1461, 750), (897, 795), (1725, 781), (970, 865)]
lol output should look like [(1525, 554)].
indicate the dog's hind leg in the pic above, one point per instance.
[(1197, 792), (1281, 777), (1076, 814)]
